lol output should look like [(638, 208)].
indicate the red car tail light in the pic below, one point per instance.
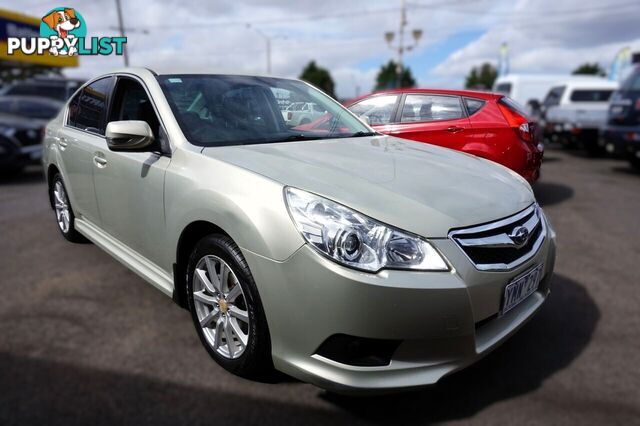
[(516, 119)]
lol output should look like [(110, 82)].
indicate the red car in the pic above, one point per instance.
[(488, 125)]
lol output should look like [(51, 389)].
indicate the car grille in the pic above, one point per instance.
[(504, 244)]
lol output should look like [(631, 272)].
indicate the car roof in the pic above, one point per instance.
[(595, 84), (468, 93)]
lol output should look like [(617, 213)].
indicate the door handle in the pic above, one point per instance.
[(63, 143), (99, 161), (454, 129)]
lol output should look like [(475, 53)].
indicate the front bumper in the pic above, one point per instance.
[(443, 320)]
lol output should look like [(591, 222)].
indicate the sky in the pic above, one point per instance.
[(347, 37)]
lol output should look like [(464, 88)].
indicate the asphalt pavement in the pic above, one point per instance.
[(85, 341)]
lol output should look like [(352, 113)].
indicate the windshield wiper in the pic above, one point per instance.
[(358, 134), (303, 137), (292, 138)]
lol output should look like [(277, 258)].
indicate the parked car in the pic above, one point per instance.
[(22, 121), (575, 112), (55, 88), (622, 134), (301, 113), (488, 125), (527, 89), (352, 260)]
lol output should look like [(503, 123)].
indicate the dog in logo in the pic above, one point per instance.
[(62, 21)]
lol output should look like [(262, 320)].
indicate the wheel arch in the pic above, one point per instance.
[(189, 237)]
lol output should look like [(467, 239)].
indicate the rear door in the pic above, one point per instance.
[(432, 118), (78, 140)]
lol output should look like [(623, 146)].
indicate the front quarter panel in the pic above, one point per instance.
[(247, 206)]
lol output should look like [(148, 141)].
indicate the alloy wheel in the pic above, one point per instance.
[(61, 204), (221, 307)]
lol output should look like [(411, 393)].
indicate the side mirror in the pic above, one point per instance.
[(365, 120), (129, 135)]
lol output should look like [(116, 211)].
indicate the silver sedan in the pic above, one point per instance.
[(356, 261)]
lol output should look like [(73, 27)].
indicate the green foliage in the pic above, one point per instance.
[(590, 69), (319, 77), (481, 77), (387, 77)]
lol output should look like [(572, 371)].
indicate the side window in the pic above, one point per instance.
[(504, 88), (554, 96), (431, 108), (130, 102), (473, 105), (91, 106), (72, 114), (379, 109)]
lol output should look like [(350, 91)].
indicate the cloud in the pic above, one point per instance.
[(545, 36), (347, 37)]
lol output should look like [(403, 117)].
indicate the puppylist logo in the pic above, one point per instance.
[(63, 32)]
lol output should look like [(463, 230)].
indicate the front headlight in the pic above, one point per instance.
[(355, 240)]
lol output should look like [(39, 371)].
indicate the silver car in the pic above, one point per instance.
[(352, 260)]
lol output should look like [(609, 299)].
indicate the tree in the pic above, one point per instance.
[(387, 77), (319, 77), (481, 77), (590, 69)]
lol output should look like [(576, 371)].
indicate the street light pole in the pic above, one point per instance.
[(390, 36), (267, 40), (403, 23), (125, 55)]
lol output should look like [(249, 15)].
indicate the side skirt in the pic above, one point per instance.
[(146, 269)]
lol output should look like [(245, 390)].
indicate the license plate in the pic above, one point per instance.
[(520, 288)]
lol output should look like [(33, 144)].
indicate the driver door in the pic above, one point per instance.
[(130, 185)]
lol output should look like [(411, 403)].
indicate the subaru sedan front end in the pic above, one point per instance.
[(353, 260)]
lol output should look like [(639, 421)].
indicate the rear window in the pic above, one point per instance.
[(473, 105), (504, 88), (591, 95), (554, 96), (513, 105)]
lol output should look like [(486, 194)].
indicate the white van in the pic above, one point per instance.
[(529, 90), (576, 110)]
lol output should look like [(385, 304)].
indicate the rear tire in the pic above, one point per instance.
[(226, 309), (65, 218)]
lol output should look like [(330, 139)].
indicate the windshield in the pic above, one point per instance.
[(554, 96), (215, 110), (632, 83)]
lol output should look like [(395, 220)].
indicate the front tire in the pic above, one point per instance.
[(226, 308), (64, 213)]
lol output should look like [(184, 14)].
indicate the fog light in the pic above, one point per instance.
[(358, 351)]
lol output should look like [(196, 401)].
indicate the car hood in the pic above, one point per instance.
[(417, 187)]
